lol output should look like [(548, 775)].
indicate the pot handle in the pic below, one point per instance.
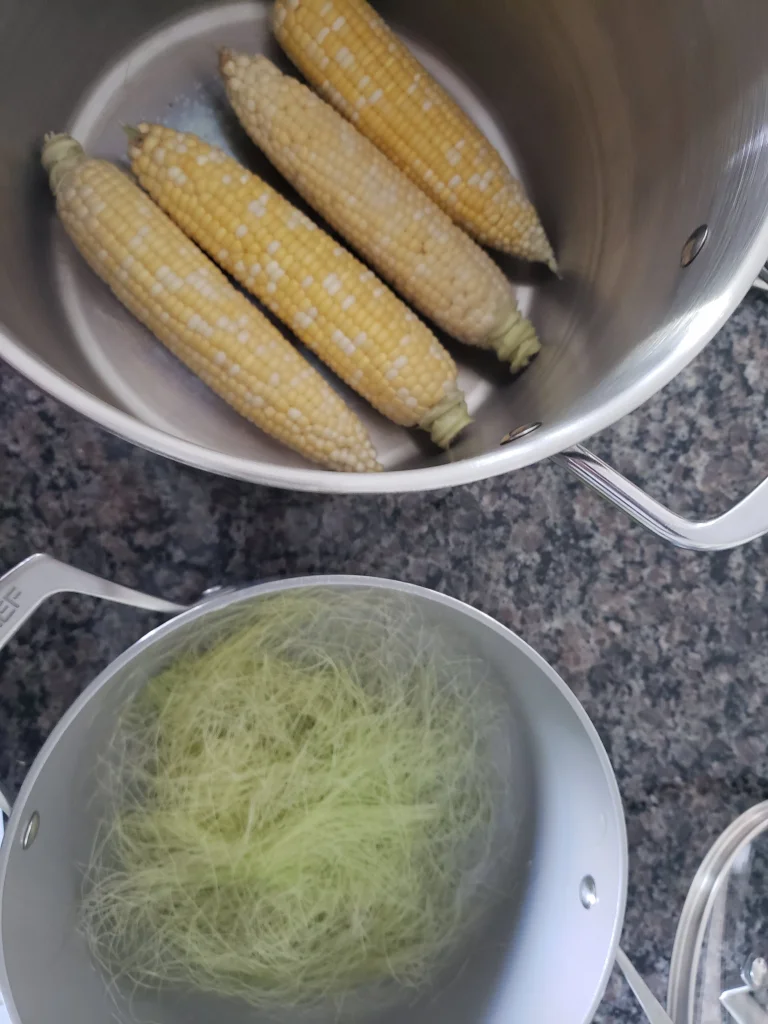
[(745, 522), (5, 813), (26, 586), (649, 1004)]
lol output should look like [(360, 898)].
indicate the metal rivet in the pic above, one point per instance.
[(218, 591), (694, 245), (30, 832), (515, 435), (588, 892)]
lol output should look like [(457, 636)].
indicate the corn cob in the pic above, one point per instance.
[(360, 66), (175, 291), (335, 305), (391, 222)]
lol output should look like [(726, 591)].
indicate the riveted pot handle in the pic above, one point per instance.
[(650, 1005), (743, 523), (5, 812), (26, 586)]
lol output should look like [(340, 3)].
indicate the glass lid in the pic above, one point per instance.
[(719, 971)]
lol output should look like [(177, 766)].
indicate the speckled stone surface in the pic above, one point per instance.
[(667, 650)]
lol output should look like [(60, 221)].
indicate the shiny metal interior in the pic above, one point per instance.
[(561, 825), (631, 124)]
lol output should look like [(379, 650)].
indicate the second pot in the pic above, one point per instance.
[(560, 904)]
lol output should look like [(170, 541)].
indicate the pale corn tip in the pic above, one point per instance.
[(60, 155), (514, 340), (411, 119), (226, 63)]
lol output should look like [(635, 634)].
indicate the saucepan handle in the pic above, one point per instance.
[(26, 586), (743, 523), (5, 813), (650, 1005)]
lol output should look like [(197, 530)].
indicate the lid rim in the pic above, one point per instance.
[(697, 907)]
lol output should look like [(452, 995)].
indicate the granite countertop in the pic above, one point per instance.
[(667, 650)]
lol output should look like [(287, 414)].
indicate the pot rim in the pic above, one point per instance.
[(15, 827)]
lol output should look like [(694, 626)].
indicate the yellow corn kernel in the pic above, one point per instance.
[(332, 302), (391, 222), (175, 291), (350, 54)]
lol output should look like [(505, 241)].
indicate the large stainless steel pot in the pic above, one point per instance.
[(546, 948), (640, 129)]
